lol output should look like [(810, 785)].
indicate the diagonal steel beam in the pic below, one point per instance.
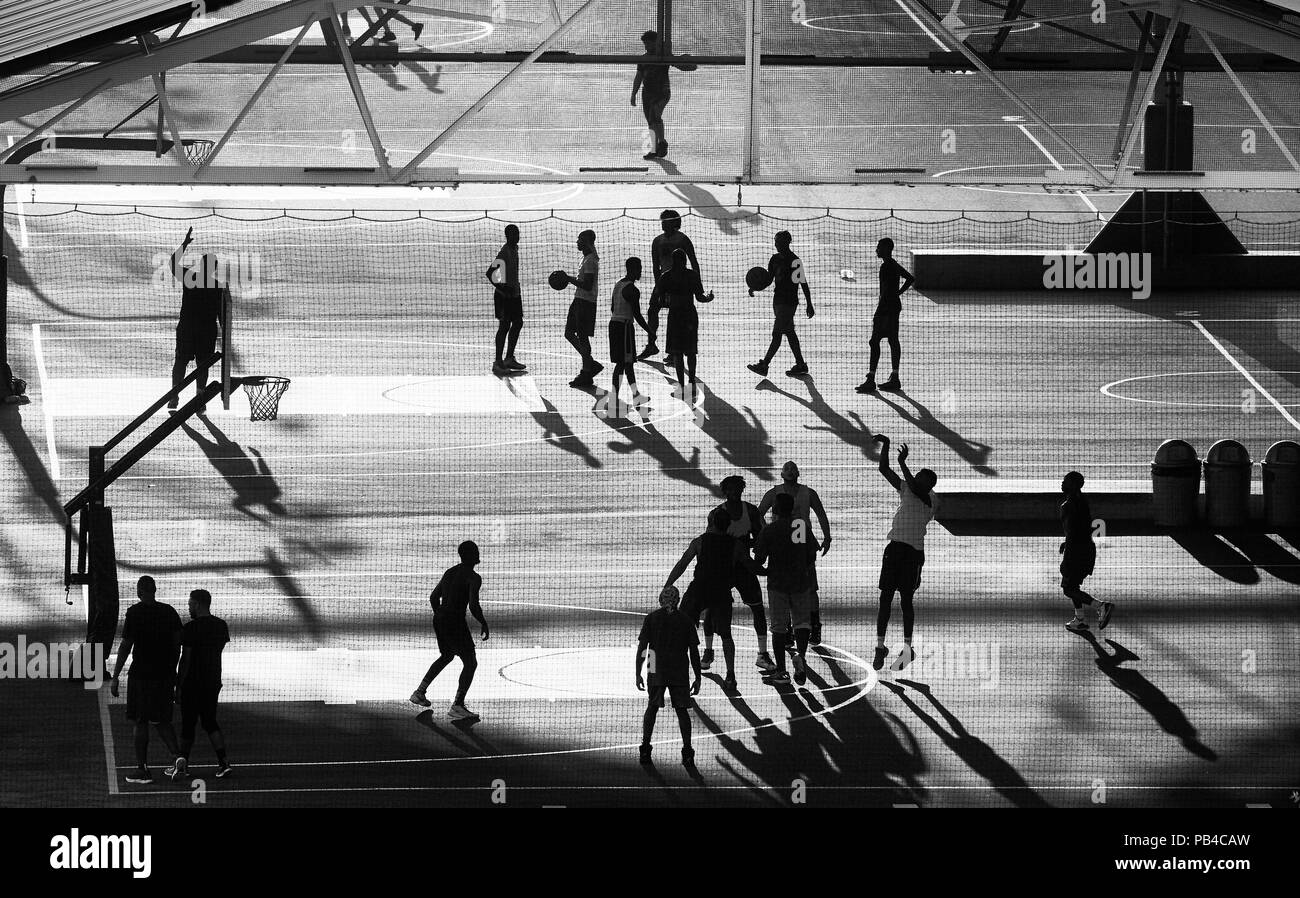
[(1157, 71), (1134, 75), (920, 10), (497, 88), (1012, 11), (257, 94), (350, 71), (51, 122), (1250, 101), (165, 114)]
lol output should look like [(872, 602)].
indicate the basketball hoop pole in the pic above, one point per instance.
[(227, 317)]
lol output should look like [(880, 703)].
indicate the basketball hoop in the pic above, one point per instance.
[(264, 392), (197, 151)]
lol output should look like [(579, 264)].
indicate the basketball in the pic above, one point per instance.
[(758, 278), (558, 280)]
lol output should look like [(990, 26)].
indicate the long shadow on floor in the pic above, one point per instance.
[(975, 752), (1152, 700), (556, 431), (247, 472), (973, 452), (854, 432), (43, 492), (742, 439), (1217, 556)]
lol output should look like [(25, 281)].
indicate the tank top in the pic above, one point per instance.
[(802, 501), (741, 527), (620, 309)]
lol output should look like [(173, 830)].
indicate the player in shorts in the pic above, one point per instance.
[(788, 276), (652, 82), (900, 569), (806, 504), (580, 326), (507, 303), (709, 595), (204, 299), (198, 681), (894, 281), (1079, 555), (151, 638), (670, 648), (456, 593), (661, 261), (625, 308), (679, 289), (787, 547), (745, 522)]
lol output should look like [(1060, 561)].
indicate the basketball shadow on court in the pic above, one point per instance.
[(741, 438), (855, 432), (247, 473), (1148, 696), (973, 452), (977, 754), (43, 491)]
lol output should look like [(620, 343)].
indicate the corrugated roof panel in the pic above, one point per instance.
[(32, 26)]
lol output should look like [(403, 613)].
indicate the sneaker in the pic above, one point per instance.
[(594, 368), (800, 669), (1077, 625), (224, 770), (670, 360), (759, 368), (706, 659), (905, 657), (662, 150), (779, 676), (639, 399), (892, 383), (797, 371), (141, 776), (651, 156), (729, 683), (765, 662), (418, 698), (460, 712), (867, 386), (645, 754), (415, 31), (501, 368), (178, 769), (815, 635), (514, 364), (388, 37), (582, 381), (879, 661), (651, 348), (688, 757), (1103, 616)]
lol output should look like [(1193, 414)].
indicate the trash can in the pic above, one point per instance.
[(1175, 484), (1227, 485), (1282, 484)]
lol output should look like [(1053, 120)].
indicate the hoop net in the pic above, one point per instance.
[(264, 392), (198, 150)]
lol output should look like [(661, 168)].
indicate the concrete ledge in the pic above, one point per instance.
[(1023, 270)]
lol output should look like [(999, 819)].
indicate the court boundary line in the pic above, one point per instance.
[(1246, 374), (47, 409), (1058, 166)]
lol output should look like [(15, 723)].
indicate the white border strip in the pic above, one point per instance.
[(55, 472)]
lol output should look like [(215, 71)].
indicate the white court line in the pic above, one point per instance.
[(1058, 166), (919, 24), (22, 219), (106, 729), (1246, 374), (51, 447)]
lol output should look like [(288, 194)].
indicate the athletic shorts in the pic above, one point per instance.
[(149, 700), (199, 704), (622, 342), (900, 569), (745, 582), (700, 598), (195, 343), (884, 324), (508, 308), (582, 319), (718, 617), (680, 695), (683, 331), (790, 610), (453, 638), (784, 315), (1077, 563)]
